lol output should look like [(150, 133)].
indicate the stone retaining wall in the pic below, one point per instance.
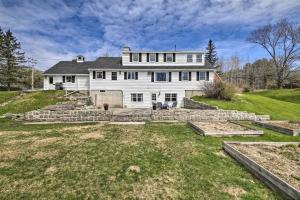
[(156, 115), (191, 104), (67, 115), (205, 115)]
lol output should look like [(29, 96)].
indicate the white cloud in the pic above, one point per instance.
[(49, 33)]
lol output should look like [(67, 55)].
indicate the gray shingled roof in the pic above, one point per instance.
[(72, 67)]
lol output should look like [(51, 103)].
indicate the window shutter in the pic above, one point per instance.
[(198, 74), (136, 75), (64, 79), (94, 75), (73, 79), (140, 57), (147, 57), (130, 57), (179, 76), (170, 76), (157, 57), (165, 57), (190, 76), (103, 75), (174, 57), (125, 75), (152, 76), (207, 76)]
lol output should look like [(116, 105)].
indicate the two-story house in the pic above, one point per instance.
[(135, 80)]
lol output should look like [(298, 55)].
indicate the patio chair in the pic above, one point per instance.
[(174, 105), (165, 106), (159, 105)]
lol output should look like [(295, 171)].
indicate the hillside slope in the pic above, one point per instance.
[(279, 104), (29, 101)]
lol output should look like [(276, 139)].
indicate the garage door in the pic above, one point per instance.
[(113, 97)]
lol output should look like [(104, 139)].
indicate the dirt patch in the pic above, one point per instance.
[(94, 135), (44, 155), (82, 128), (14, 142), (131, 135), (14, 133), (285, 124), (134, 168), (235, 192), (283, 161), (45, 142), (159, 141), (51, 170), (219, 126), (5, 164), (9, 154), (163, 187)]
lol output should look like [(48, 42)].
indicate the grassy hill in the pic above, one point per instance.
[(281, 104), (20, 103)]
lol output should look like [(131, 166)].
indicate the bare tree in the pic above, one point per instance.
[(282, 42)]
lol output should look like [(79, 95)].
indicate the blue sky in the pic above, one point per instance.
[(55, 30)]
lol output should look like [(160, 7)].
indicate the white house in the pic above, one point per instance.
[(135, 80)]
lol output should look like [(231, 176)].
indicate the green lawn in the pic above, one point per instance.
[(30, 101), (96, 161), (7, 95), (279, 104)]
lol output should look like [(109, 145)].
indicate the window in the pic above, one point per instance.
[(51, 80), (169, 57), (152, 57), (69, 78), (114, 76), (189, 58), (130, 75), (202, 76), (153, 97), (137, 97), (135, 57), (185, 76), (171, 97), (199, 58), (100, 75), (161, 76)]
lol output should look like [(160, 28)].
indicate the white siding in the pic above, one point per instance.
[(145, 86), (81, 82), (181, 59)]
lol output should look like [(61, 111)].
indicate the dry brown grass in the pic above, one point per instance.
[(236, 192), (44, 155), (164, 187), (9, 154), (45, 141), (94, 135), (131, 135)]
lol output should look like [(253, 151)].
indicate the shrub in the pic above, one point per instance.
[(246, 89), (220, 90)]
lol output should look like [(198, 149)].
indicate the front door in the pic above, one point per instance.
[(153, 97)]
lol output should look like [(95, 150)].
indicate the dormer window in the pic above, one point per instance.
[(169, 57), (135, 57), (152, 57), (189, 58), (199, 58), (80, 59)]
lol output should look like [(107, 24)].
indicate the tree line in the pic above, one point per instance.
[(282, 43), (15, 68)]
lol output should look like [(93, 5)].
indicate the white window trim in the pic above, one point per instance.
[(138, 57), (187, 76), (132, 77), (112, 76), (154, 57), (204, 76), (169, 54), (171, 97), (189, 60), (136, 97), (101, 75), (167, 77), (201, 55), (70, 79)]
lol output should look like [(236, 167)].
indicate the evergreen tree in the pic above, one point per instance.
[(11, 60), (211, 55)]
